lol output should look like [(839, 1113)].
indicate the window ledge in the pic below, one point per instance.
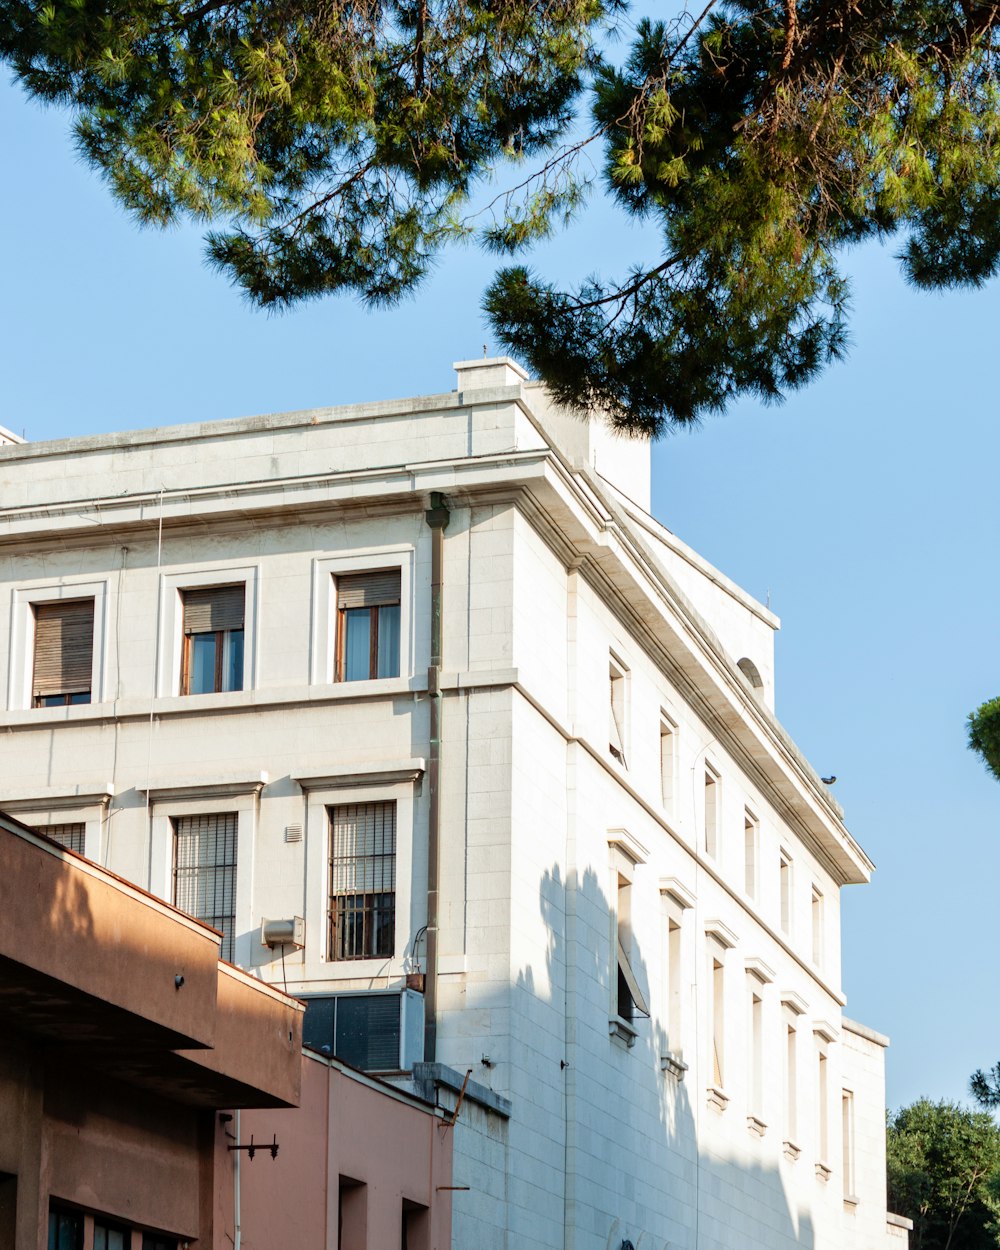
[(756, 1125), (823, 1171), (717, 1098), (791, 1150), (851, 1200), (621, 1030), (673, 1064)]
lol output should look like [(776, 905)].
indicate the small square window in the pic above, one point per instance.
[(64, 653), (72, 836), (368, 621), (213, 639)]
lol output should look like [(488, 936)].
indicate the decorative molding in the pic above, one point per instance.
[(794, 1002), (681, 895), (756, 967), (722, 933), (630, 846), (673, 1064), (825, 1030), (823, 1171), (790, 1150), (218, 787), (756, 1125), (622, 1031), (53, 798), (717, 1098), (354, 776)]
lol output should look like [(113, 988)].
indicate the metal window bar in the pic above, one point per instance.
[(205, 872), (362, 880), (69, 835)]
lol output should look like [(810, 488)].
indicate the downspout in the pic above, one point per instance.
[(437, 518), (237, 1230)]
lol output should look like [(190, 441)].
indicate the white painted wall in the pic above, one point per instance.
[(538, 820)]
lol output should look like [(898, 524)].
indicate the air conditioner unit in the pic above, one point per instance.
[(381, 1032)]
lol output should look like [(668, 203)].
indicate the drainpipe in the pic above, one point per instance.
[(237, 1230), (437, 518)]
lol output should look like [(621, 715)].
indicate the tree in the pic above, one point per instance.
[(338, 145), (984, 734), (943, 1165)]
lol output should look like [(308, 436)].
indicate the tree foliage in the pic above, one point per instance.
[(943, 1165), (337, 145), (984, 734)]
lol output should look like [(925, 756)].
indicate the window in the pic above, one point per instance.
[(711, 811), (71, 836), (847, 1117), (362, 881), (617, 708), (756, 1055), (817, 926), (110, 1237), (154, 1241), (668, 760), (65, 1230), (791, 1083), (352, 1214), (368, 625), (785, 890), (674, 988), (64, 653), (205, 872), (416, 1226), (751, 834), (630, 999), (213, 639), (717, 1032), (822, 1094)]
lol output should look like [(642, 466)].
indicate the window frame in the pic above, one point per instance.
[(223, 643), (333, 913), (227, 947), (324, 634), (21, 656), (618, 710), (170, 646), (751, 854), (374, 625), (167, 805), (711, 817), (366, 783), (669, 730), (625, 856)]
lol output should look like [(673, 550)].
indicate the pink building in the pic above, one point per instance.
[(129, 1056)]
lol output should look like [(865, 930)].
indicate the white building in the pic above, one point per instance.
[(219, 675)]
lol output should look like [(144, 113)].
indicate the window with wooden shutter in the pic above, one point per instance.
[(213, 639), (64, 653), (368, 625)]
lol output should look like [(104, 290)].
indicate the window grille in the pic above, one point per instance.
[(362, 880), (205, 872), (71, 836), (64, 653)]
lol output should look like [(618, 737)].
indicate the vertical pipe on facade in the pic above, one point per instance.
[(237, 1231), (437, 518)]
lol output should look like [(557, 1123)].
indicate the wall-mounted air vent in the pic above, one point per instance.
[(374, 1032)]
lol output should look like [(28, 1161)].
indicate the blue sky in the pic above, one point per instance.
[(865, 507)]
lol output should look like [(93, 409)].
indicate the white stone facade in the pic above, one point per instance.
[(688, 828)]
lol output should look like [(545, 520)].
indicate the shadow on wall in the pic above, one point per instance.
[(639, 1167)]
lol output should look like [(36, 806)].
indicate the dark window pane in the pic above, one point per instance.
[(357, 644), (82, 697), (201, 662), (388, 641), (65, 1230), (232, 678)]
